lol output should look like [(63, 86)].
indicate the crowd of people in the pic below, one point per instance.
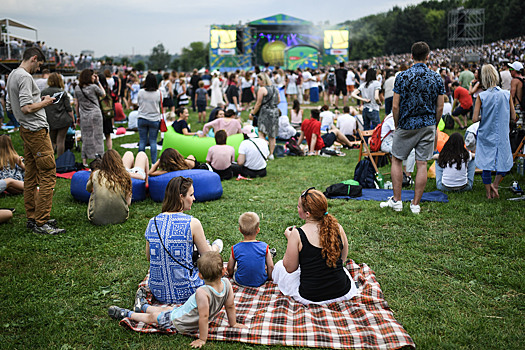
[(416, 94)]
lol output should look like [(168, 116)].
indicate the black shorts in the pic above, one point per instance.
[(107, 126), (201, 106), (167, 102), (461, 111), (329, 139), (340, 90)]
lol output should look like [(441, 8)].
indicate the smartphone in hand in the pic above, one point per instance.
[(57, 96)]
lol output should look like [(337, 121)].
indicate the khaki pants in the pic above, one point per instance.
[(41, 172)]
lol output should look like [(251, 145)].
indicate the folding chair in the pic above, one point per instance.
[(364, 149), (519, 150)]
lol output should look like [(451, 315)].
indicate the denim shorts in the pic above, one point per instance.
[(164, 321)]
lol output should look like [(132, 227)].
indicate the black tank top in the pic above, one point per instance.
[(320, 282)]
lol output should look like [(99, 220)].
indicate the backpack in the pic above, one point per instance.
[(66, 162), (107, 106), (375, 139), (294, 148), (365, 174), (343, 189), (331, 79), (449, 121)]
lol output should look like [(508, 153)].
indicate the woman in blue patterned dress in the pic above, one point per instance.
[(170, 240), (494, 109)]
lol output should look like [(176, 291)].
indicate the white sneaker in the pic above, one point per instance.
[(396, 205), (219, 244), (270, 157), (415, 208)]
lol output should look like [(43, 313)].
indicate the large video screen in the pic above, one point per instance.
[(223, 39), (336, 39)]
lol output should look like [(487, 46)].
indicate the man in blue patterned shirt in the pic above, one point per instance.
[(417, 107)]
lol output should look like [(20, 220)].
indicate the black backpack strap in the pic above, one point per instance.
[(166, 250), (90, 100), (265, 159)]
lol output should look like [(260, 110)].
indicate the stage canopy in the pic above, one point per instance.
[(280, 19)]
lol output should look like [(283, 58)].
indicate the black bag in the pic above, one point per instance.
[(341, 189), (365, 174), (66, 162), (515, 136), (449, 121), (294, 148)]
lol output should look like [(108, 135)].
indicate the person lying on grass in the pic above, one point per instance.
[(197, 311), (253, 258)]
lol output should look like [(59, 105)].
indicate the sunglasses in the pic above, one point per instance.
[(303, 195)]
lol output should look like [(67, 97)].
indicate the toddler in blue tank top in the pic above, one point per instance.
[(252, 258)]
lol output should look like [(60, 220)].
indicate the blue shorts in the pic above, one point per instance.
[(329, 139)]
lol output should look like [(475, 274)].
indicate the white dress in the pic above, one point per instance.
[(216, 92)]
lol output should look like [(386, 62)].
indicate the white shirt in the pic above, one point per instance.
[(453, 177), (306, 79), (254, 160), (506, 79), (346, 124), (327, 119), (389, 86), (286, 131), (350, 78), (388, 125), (447, 108)]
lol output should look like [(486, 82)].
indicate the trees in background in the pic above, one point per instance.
[(194, 56), (159, 58), (393, 32)]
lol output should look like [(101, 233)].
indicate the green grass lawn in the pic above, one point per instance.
[(452, 275)]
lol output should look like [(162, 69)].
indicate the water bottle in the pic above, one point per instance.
[(520, 166)]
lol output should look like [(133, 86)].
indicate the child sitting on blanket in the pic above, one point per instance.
[(253, 258), (203, 305)]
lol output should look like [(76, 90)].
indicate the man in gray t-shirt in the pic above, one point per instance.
[(27, 105)]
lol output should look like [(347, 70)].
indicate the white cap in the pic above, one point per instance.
[(518, 66)]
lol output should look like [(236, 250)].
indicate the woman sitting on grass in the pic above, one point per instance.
[(12, 168), (312, 269), (181, 124), (171, 160), (172, 280), (455, 166), (110, 187)]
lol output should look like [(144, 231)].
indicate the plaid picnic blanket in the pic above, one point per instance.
[(364, 322)]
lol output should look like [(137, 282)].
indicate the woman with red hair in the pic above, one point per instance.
[(312, 269)]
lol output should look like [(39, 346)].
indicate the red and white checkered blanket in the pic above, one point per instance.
[(365, 322)]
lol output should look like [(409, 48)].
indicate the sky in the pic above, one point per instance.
[(126, 27)]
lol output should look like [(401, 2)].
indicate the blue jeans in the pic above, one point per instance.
[(13, 120), (388, 105), (471, 168), (370, 117), (148, 130)]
